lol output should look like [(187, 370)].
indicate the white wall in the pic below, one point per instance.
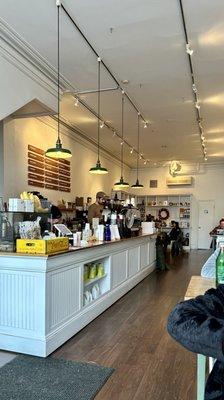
[(21, 132), (208, 184), (1, 160), (18, 88)]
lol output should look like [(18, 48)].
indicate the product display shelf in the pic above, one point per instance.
[(178, 206), (92, 281), (101, 284)]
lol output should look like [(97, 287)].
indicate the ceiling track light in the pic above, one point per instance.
[(189, 50), (146, 125), (194, 88), (131, 151), (76, 102), (102, 124), (122, 142), (58, 151)]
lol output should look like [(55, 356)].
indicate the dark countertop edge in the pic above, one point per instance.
[(74, 249)]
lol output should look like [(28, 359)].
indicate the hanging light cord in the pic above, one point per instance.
[(138, 149), (58, 76), (122, 135), (98, 110)]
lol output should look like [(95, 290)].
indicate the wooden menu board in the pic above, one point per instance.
[(42, 171)]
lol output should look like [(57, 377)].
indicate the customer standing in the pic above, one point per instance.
[(176, 238)]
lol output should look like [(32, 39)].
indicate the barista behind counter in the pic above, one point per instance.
[(96, 209)]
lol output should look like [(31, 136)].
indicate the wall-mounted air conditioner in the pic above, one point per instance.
[(179, 181)]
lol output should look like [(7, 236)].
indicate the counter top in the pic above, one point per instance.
[(75, 249)]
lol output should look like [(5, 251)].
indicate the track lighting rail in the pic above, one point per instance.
[(103, 63), (80, 92)]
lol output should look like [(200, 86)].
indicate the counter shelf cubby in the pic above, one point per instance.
[(102, 281), (91, 281)]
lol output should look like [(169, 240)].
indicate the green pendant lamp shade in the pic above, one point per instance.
[(98, 169), (137, 185), (122, 184), (58, 151)]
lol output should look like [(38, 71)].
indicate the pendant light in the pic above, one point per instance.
[(98, 169), (122, 184), (137, 185), (58, 151)]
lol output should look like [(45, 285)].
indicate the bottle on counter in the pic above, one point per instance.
[(220, 267), (113, 218), (107, 236)]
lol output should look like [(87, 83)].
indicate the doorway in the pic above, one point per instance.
[(205, 223)]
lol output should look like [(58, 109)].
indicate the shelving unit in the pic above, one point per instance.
[(179, 207), (92, 281), (102, 282)]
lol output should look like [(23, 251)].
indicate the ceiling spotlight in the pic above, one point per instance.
[(114, 133), (146, 125), (122, 91), (203, 145), (122, 142), (145, 162), (194, 88), (102, 124), (197, 105), (140, 156), (131, 151), (202, 137), (189, 49), (206, 159), (76, 102), (125, 81)]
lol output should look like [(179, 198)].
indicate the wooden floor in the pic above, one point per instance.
[(131, 337)]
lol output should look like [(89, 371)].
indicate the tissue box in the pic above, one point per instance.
[(148, 228), (29, 205), (40, 246), (16, 205)]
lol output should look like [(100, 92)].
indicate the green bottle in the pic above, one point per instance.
[(220, 267)]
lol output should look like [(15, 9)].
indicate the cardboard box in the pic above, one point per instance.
[(41, 246)]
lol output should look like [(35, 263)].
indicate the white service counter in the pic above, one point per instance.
[(41, 297)]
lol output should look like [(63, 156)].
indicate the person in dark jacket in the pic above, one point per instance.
[(198, 324), (176, 236)]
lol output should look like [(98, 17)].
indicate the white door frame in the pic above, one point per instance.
[(213, 215)]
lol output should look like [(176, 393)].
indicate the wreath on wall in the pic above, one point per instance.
[(164, 213)]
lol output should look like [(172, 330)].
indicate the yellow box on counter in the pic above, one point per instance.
[(40, 246)]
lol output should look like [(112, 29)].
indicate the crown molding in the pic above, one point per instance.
[(17, 49)]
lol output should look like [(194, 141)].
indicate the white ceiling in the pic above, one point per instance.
[(147, 47)]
